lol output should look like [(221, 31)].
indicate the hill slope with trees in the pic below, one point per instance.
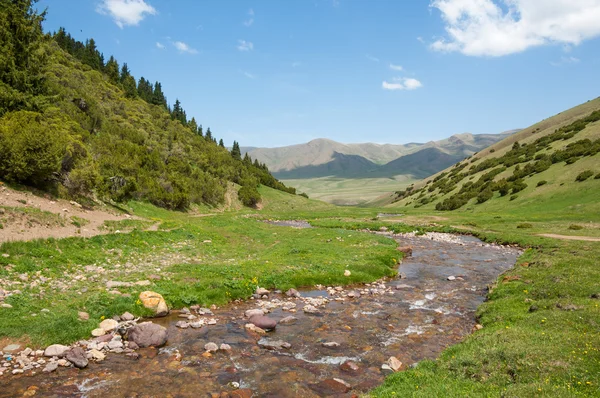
[(84, 128)]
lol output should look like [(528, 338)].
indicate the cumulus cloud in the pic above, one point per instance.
[(501, 27), (126, 12), (396, 67), (566, 61), (244, 45), (184, 48), (401, 83), (160, 46)]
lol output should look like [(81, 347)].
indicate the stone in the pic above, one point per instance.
[(349, 367), (97, 355), (98, 332), (288, 320), (354, 294), (211, 347), (225, 347), (127, 317), (331, 344), (108, 325), (50, 367), (451, 278), (263, 322), (310, 309), (115, 345), (407, 250), (253, 312), (148, 334), (292, 293), (6, 305), (11, 348), (77, 357), (154, 302), (242, 393), (394, 363), (253, 328), (347, 273), (273, 344), (132, 346), (83, 316), (262, 291), (56, 350), (331, 387), (182, 324), (197, 325)]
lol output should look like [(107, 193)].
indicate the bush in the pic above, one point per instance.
[(542, 182), (525, 225), (304, 195), (575, 227), (597, 177), (584, 175), (249, 195), (513, 197), (485, 195)]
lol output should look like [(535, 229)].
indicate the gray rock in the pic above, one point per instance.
[(331, 344), (211, 347), (261, 291), (148, 334), (115, 345), (182, 324), (56, 350), (50, 367), (77, 357), (292, 293), (263, 322), (288, 320), (11, 348), (273, 345), (225, 347), (251, 313), (127, 317)]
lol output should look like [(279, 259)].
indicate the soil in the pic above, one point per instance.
[(571, 237)]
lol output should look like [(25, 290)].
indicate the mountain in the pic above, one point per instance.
[(553, 165), (327, 158)]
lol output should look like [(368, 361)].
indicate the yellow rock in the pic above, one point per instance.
[(155, 302)]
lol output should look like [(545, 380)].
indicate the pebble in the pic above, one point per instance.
[(182, 324), (288, 320), (331, 344), (211, 347)]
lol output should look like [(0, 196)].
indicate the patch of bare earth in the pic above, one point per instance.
[(25, 216), (571, 237)]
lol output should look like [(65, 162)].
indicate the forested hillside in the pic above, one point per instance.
[(84, 128)]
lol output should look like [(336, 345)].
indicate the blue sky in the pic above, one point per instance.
[(272, 73)]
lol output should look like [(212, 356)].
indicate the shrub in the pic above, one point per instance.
[(597, 177), (249, 195), (513, 197), (542, 182), (525, 225), (304, 195), (575, 227), (485, 195), (584, 175)]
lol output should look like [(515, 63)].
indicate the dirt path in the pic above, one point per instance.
[(570, 237), (25, 216)]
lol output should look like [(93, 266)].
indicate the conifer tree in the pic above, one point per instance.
[(124, 72), (112, 70), (221, 143), (235, 151), (158, 98)]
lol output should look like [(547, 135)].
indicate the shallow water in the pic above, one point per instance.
[(424, 314)]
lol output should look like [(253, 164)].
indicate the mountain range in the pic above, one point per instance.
[(326, 158)]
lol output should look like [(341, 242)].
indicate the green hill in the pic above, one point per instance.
[(550, 166), (83, 128)]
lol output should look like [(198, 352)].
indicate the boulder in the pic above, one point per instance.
[(56, 350), (263, 322), (148, 334), (77, 357), (108, 325), (154, 302)]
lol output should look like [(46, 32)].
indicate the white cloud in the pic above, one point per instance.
[(250, 20), (244, 45), (501, 27), (160, 46), (566, 61), (184, 48), (249, 75), (372, 58), (126, 12), (401, 83), (396, 67)]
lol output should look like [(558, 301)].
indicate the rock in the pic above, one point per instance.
[(17, 371), (197, 325), (132, 346), (310, 309), (273, 345), (148, 334), (394, 364), (263, 322), (242, 393), (407, 250), (56, 350), (113, 284), (292, 293), (225, 347), (83, 316), (108, 325), (349, 367), (182, 324), (11, 348), (451, 278), (6, 305), (154, 302), (288, 320), (97, 355), (253, 328), (262, 291), (347, 273), (115, 345), (331, 387), (331, 344), (251, 313), (211, 347), (50, 367), (354, 294), (143, 283), (98, 332), (127, 317), (477, 327), (77, 357)]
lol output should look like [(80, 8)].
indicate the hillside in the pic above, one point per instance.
[(327, 158), (551, 165), (85, 129)]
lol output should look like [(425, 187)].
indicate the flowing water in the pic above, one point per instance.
[(412, 318)]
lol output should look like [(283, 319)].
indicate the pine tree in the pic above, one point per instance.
[(112, 70), (158, 98), (124, 73), (208, 135), (145, 90), (235, 151), (247, 159), (91, 55), (129, 87), (221, 143), (193, 125), (178, 113), (200, 133)]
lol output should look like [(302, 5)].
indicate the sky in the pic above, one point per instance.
[(270, 73)]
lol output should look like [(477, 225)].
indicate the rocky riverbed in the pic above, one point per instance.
[(327, 341)]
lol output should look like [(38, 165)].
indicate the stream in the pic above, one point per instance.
[(411, 318)]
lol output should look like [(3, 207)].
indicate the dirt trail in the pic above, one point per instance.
[(571, 237), (20, 220)]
